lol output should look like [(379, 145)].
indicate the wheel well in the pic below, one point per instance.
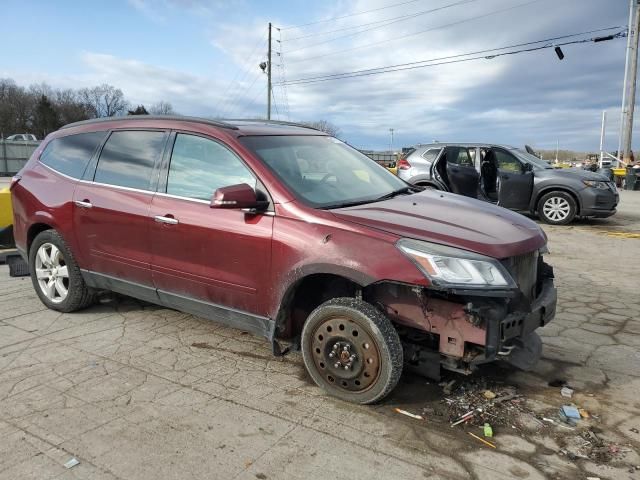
[(558, 189), (424, 183), (33, 232), (306, 295)]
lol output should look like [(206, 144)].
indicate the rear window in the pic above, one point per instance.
[(71, 154), (128, 158)]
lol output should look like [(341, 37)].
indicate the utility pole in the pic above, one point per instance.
[(604, 123), (391, 142), (630, 75), (269, 77)]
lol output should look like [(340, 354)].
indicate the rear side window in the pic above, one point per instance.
[(431, 154), (128, 159), (71, 154)]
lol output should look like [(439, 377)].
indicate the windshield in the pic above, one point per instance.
[(532, 159), (323, 171)]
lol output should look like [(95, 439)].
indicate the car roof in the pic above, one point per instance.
[(240, 127), (460, 144)]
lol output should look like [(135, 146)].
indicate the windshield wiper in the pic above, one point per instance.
[(394, 193)]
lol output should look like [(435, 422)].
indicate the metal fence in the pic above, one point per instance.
[(14, 154), (387, 159)]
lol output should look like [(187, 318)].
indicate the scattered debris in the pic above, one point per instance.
[(447, 387), (566, 392), (488, 431), (570, 411), (72, 462), (409, 414), (584, 413), (489, 444), (488, 394), (634, 430)]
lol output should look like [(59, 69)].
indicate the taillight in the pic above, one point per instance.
[(14, 181), (404, 164)]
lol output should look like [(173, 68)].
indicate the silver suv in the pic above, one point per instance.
[(511, 178)]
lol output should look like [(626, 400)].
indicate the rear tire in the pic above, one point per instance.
[(352, 350), (55, 274), (557, 208)]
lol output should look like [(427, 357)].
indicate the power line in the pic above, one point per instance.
[(390, 21), (399, 18), (245, 69), (275, 104), (348, 15), (456, 58), (459, 22)]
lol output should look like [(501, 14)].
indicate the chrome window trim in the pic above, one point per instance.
[(118, 187), (56, 171), (195, 200)]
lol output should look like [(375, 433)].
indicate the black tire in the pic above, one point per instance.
[(78, 295), (562, 199), (371, 339)]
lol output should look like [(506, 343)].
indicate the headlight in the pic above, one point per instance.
[(596, 184), (447, 266)]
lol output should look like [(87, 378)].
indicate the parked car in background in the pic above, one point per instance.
[(511, 178), (286, 232), (24, 137)]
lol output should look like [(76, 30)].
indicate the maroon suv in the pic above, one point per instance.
[(289, 233)]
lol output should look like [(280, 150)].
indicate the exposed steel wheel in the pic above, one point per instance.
[(352, 350)]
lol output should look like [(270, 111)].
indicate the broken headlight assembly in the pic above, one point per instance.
[(453, 267)]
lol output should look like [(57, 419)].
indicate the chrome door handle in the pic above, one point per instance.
[(167, 220), (83, 204)]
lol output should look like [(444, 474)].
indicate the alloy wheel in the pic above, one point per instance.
[(52, 272), (556, 209)]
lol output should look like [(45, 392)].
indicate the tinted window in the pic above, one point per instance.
[(200, 166), (430, 155), (128, 158), (460, 156), (70, 155), (508, 162)]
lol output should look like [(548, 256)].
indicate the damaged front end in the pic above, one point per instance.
[(458, 327)]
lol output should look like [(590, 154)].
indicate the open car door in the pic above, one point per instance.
[(456, 165), (515, 180)]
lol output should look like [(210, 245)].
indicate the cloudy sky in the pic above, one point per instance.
[(202, 56)]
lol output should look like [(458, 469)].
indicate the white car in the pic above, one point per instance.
[(27, 137)]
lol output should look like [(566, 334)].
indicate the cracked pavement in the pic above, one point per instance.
[(136, 391)]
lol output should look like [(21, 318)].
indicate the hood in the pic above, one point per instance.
[(575, 173), (452, 220)]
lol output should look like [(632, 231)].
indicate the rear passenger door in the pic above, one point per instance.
[(515, 182), (111, 210), (463, 178), (203, 256)]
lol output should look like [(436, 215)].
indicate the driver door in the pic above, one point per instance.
[(515, 181), (462, 176)]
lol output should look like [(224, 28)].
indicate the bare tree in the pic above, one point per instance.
[(104, 100), (162, 108), (324, 126), (71, 107)]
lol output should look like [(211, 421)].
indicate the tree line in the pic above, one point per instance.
[(41, 109)]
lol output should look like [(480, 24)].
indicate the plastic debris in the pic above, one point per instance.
[(488, 431), (584, 413), (488, 394), (409, 414), (489, 444), (566, 392), (571, 412), (72, 462)]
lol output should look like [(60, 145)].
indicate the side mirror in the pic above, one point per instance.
[(528, 167), (235, 196)]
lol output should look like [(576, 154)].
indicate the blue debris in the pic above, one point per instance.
[(570, 411)]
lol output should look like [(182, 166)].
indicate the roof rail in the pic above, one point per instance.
[(275, 122), (180, 118)]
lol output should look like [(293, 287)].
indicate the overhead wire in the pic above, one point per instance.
[(348, 15), (398, 18), (389, 22), (459, 22), (456, 58)]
